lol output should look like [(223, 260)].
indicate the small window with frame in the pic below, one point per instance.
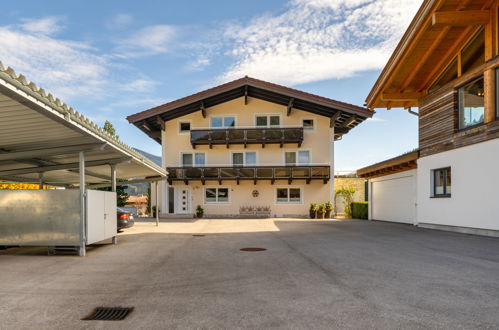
[(471, 103), (308, 124), (441, 182), (184, 127)]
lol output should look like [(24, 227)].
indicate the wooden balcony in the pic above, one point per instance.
[(245, 136), (252, 173)]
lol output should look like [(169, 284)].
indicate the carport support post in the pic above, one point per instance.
[(40, 178), (113, 188), (157, 206), (83, 218)]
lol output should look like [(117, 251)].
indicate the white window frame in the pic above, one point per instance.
[(193, 153), (231, 160), (223, 116), (184, 121), (309, 129), (296, 152), (277, 202), (268, 115), (229, 192)]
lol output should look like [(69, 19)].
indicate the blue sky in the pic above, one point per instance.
[(109, 59)]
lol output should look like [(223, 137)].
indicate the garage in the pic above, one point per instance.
[(46, 142), (392, 189)]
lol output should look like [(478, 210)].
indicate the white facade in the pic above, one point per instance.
[(393, 197), (474, 201)]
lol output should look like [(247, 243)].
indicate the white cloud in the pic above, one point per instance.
[(46, 26), (318, 39), (120, 21), (68, 69), (150, 40)]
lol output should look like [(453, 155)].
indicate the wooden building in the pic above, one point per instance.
[(447, 65)]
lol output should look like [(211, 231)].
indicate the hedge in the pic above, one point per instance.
[(359, 210)]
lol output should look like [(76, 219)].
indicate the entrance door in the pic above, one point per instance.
[(183, 200)]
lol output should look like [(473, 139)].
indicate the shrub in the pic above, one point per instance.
[(359, 210), (347, 193)]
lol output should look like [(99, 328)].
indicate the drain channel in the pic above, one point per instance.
[(198, 235), (253, 249), (109, 314)]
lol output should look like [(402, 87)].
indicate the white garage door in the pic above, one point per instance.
[(394, 199)]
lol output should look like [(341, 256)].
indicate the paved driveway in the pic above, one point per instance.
[(327, 274)]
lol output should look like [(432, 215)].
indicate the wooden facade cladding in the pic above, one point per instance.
[(438, 129), (402, 163)]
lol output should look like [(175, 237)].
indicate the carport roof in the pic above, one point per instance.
[(41, 134)]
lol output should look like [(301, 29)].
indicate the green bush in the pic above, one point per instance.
[(359, 210)]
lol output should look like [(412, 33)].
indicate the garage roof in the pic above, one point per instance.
[(41, 134), (404, 162)]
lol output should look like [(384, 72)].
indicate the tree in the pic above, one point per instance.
[(347, 193), (108, 127)]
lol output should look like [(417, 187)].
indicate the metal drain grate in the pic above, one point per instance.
[(253, 249), (198, 235), (109, 314)]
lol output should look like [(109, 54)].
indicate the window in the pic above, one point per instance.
[(243, 158), (449, 74), (471, 104), (288, 195), (268, 121), (308, 124), (223, 122), (216, 195), (184, 127), (297, 157), (473, 54), (199, 159), (441, 182)]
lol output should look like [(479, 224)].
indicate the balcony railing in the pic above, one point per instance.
[(253, 173), (245, 136)]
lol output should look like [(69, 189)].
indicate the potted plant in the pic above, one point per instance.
[(321, 211), (313, 210), (199, 211), (328, 208)]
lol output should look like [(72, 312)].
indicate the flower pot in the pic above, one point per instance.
[(312, 214), (327, 214), (320, 215), (199, 215)]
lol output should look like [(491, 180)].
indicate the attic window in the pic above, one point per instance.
[(473, 54), (185, 127), (449, 74)]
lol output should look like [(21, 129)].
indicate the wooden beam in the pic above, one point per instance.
[(160, 122), (290, 106), (461, 18), (246, 95), (401, 96), (333, 119), (349, 121), (203, 110)]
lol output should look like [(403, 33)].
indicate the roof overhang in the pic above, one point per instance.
[(439, 29), (405, 162), (343, 116), (41, 137)]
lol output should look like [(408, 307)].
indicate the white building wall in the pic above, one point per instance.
[(393, 197), (475, 196)]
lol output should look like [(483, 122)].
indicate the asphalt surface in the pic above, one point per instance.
[(313, 275)]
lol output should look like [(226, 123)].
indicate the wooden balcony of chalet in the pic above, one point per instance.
[(249, 173), (245, 136)]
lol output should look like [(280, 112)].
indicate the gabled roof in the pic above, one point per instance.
[(435, 35), (345, 116)]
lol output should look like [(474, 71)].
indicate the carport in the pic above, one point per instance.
[(44, 141)]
